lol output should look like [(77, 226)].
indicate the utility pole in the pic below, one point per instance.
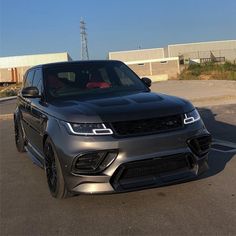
[(84, 41)]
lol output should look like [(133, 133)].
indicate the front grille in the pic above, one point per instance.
[(200, 145), (147, 126), (148, 172)]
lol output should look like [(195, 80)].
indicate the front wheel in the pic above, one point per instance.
[(53, 171)]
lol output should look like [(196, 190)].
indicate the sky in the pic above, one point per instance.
[(49, 26)]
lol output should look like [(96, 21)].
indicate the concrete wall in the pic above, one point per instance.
[(166, 53), (136, 55), (11, 75), (150, 62), (170, 67), (225, 49), (141, 69), (32, 60), (159, 69), (13, 68)]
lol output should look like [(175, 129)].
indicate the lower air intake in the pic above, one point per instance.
[(200, 145), (143, 173)]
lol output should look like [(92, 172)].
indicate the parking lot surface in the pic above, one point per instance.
[(205, 206)]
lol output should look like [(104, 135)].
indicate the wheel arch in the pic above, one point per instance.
[(50, 127), (16, 114), (45, 136)]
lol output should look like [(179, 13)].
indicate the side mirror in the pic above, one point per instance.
[(147, 81), (30, 92)]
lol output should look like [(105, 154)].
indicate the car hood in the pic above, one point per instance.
[(136, 106)]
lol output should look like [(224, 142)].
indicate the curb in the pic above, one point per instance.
[(7, 98)]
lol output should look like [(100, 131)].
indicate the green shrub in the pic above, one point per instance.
[(195, 69), (209, 70), (228, 66), (11, 90)]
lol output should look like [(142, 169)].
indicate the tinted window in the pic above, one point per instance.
[(37, 82), (70, 76), (124, 75), (29, 79), (90, 79)]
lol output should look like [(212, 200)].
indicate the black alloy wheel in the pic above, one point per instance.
[(53, 171), (50, 167)]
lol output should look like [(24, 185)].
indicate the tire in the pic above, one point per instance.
[(19, 136), (53, 171)]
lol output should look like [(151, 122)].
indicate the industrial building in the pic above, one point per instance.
[(13, 68), (166, 63), (156, 69), (149, 62), (137, 55), (203, 51)]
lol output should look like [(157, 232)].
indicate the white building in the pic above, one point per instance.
[(13, 68)]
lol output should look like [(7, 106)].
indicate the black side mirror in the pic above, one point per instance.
[(30, 92), (147, 81)]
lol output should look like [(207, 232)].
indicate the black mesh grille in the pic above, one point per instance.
[(147, 126), (154, 167), (147, 172)]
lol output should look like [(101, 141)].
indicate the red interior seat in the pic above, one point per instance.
[(92, 85)]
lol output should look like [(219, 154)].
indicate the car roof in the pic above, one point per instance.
[(54, 64)]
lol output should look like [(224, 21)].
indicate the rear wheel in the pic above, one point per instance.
[(19, 136), (53, 171)]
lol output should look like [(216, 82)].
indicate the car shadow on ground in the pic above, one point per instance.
[(219, 130)]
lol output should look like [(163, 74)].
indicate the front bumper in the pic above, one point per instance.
[(110, 184), (132, 152)]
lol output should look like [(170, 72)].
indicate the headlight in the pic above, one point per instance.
[(88, 129), (191, 117)]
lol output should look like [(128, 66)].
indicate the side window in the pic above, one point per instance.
[(29, 79), (124, 77), (103, 73), (70, 76), (37, 82)]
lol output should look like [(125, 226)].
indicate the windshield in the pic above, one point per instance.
[(90, 78)]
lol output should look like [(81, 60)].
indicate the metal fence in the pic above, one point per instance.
[(218, 55)]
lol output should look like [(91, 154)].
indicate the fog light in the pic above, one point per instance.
[(94, 162), (200, 145), (89, 161)]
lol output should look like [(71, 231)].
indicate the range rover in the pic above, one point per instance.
[(96, 127)]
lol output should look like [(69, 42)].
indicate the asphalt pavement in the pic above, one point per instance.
[(206, 206)]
